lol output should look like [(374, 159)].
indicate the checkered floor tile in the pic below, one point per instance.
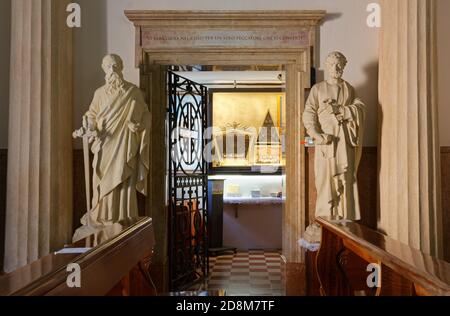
[(253, 273)]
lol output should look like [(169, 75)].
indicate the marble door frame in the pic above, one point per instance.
[(297, 62)]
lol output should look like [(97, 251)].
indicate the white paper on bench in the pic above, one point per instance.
[(72, 251)]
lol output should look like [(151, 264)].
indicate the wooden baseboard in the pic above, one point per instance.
[(3, 176)]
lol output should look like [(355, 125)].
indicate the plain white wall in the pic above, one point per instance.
[(5, 38), (444, 70), (345, 30)]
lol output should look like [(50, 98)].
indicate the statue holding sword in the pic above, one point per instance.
[(117, 128)]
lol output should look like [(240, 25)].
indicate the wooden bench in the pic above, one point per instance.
[(117, 264), (348, 248)]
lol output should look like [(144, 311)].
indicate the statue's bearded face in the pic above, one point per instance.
[(335, 68), (114, 77)]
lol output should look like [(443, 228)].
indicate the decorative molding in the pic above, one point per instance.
[(302, 17), (227, 56), (189, 32)]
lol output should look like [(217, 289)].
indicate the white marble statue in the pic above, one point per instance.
[(334, 117), (118, 126)]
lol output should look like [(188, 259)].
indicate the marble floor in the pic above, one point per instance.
[(252, 273)]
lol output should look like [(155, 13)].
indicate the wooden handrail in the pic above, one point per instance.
[(404, 270), (102, 267)]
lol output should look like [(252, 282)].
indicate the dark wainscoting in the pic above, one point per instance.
[(445, 163), (3, 175), (367, 185)]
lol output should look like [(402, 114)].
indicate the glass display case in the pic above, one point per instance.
[(248, 128), (239, 189)]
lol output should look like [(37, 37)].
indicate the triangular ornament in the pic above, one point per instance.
[(268, 133)]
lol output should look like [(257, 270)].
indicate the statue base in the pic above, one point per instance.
[(100, 233), (313, 234), (85, 231)]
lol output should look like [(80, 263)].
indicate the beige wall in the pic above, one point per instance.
[(5, 36), (444, 70), (90, 45), (345, 30)]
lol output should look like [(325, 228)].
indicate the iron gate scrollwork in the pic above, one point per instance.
[(188, 182)]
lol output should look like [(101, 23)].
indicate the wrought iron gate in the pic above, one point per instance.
[(188, 182)]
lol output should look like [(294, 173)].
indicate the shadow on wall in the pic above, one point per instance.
[(328, 18), (368, 187), (90, 46), (368, 92), (380, 124), (332, 16), (3, 174), (370, 84)]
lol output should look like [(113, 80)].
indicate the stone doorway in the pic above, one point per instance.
[(165, 38)]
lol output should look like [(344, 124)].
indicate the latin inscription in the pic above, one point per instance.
[(217, 38)]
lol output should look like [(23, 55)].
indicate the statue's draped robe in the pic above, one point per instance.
[(121, 154), (336, 164)]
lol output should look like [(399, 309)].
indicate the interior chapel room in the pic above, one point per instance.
[(211, 148)]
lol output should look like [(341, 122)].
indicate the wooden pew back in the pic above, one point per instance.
[(113, 257), (348, 248)]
